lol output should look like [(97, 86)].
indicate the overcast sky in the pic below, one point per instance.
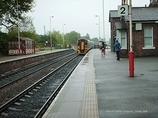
[(78, 15)]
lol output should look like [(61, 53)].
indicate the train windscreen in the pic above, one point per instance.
[(82, 45)]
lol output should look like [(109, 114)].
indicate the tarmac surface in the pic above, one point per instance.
[(121, 96)]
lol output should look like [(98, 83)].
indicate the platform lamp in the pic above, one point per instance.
[(18, 27), (103, 25), (63, 36), (45, 38), (98, 24), (50, 33)]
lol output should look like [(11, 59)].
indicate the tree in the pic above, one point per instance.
[(12, 11), (72, 37), (26, 29), (96, 41), (27, 24), (87, 36), (3, 42), (57, 37), (12, 14)]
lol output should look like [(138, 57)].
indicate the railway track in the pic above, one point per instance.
[(17, 85), (17, 75), (33, 101)]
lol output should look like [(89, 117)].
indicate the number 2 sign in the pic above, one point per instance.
[(123, 10)]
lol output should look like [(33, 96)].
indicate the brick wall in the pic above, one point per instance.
[(138, 40)]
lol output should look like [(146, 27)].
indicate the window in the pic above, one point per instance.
[(148, 37), (123, 38)]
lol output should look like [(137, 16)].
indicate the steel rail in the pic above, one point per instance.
[(27, 71), (45, 106)]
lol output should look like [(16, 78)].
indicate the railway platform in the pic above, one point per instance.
[(17, 57), (100, 87), (10, 63)]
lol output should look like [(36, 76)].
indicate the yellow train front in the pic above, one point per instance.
[(84, 45)]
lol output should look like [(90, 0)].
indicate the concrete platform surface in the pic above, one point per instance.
[(4, 59), (121, 96), (78, 97), (100, 87)]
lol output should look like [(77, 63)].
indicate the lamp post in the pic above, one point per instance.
[(131, 53), (45, 37), (103, 21), (98, 24), (103, 25), (18, 27), (63, 36), (50, 33)]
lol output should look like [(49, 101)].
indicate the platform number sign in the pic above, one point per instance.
[(123, 10)]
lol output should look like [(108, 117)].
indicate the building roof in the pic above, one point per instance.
[(139, 14)]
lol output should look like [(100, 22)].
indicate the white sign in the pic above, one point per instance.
[(123, 10)]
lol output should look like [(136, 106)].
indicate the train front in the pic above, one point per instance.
[(82, 46)]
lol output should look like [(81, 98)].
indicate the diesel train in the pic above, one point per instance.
[(84, 45)]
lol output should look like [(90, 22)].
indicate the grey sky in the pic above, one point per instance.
[(78, 15)]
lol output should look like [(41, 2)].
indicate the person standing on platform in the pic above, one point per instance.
[(117, 47), (103, 49)]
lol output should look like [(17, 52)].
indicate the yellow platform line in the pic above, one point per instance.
[(89, 107)]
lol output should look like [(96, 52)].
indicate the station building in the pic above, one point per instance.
[(144, 30)]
